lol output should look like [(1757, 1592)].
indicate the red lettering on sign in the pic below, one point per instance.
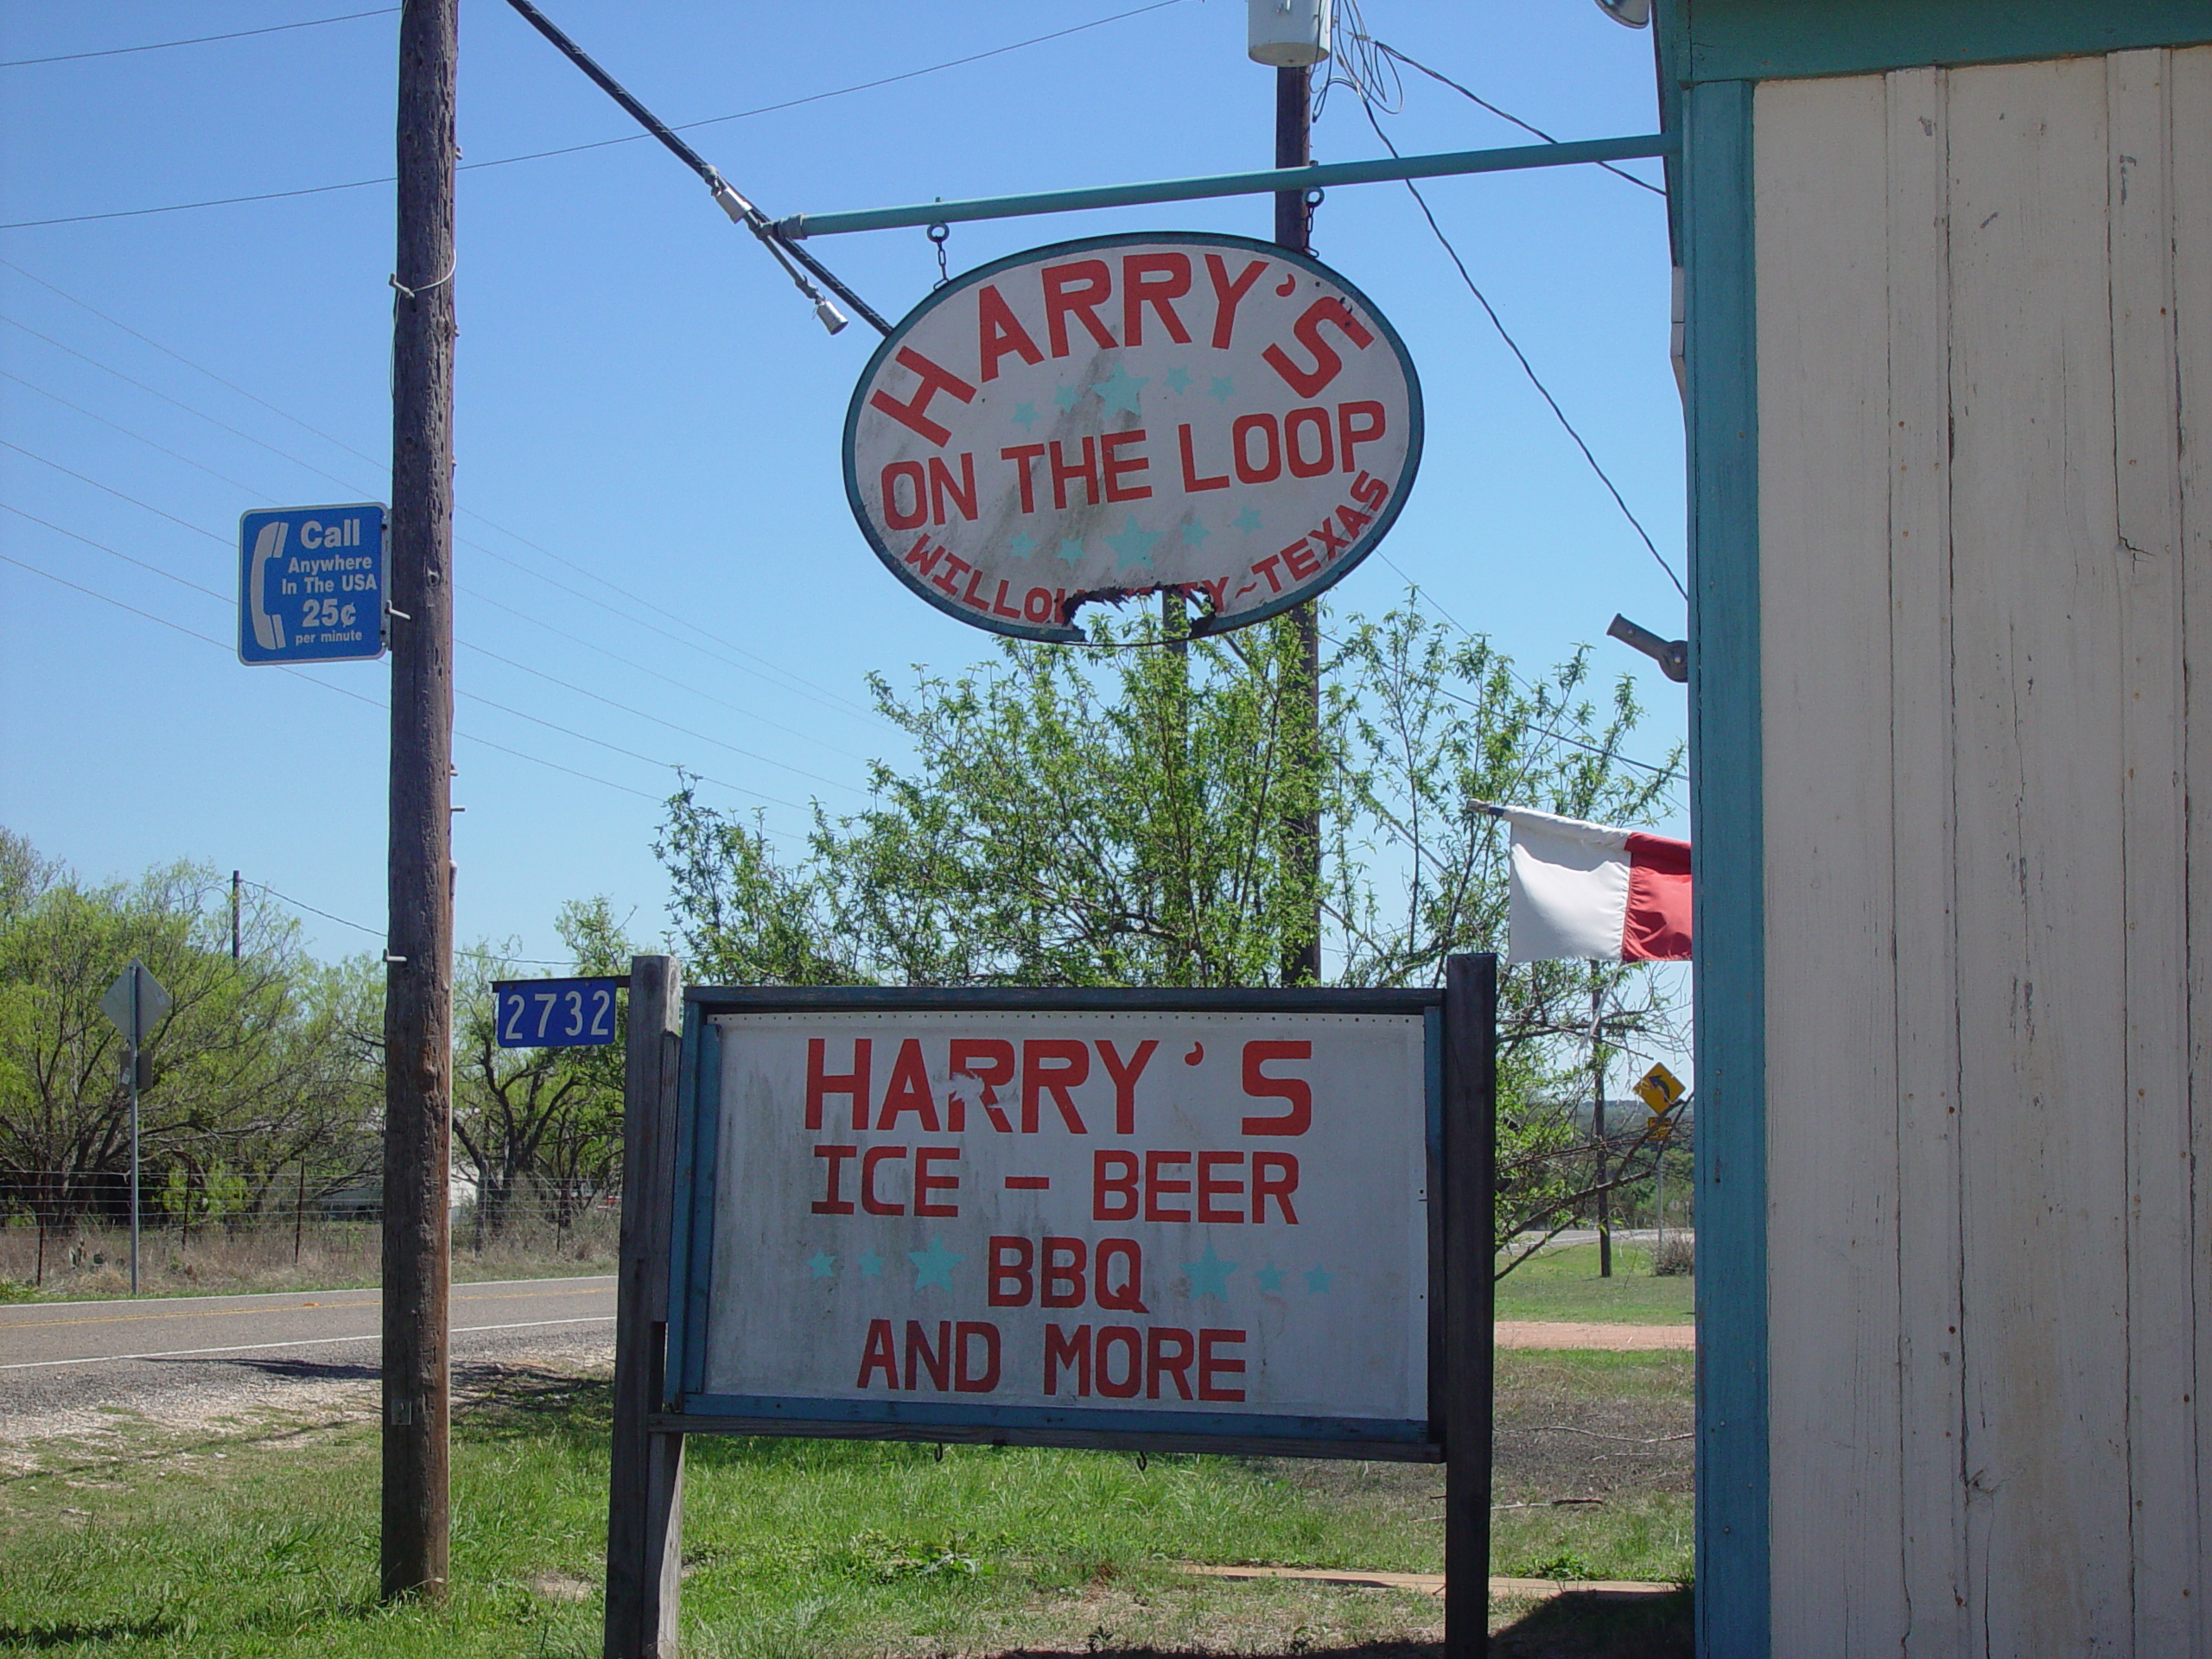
[(1037, 605), (989, 1060), (1211, 1366), (1301, 564), (1314, 419), (1067, 1350), (1168, 1352), (925, 1182), (900, 517), (1064, 473), (830, 1203), (974, 595), (984, 1379), (949, 578), (1155, 1185), (936, 1361), (1327, 364), (1053, 1065), (1249, 471), (1127, 1336), (1191, 482), (944, 488), (1351, 521), (1076, 289), (1021, 455), (1007, 1281), (1226, 295), (869, 1202), (1350, 432), (1331, 543), (1156, 280), (1266, 568), (821, 1084), (878, 1354), (909, 1090), (1115, 468), (914, 413), (1114, 1187), (1060, 1273), (1216, 589), (1210, 1188), (1274, 1175), (1296, 1090), (1127, 1295), (922, 556), (1125, 1074), (1369, 491), (999, 331), (999, 606)]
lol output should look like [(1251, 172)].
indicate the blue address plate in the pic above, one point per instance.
[(555, 1013)]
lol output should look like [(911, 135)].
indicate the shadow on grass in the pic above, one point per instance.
[(31, 1638)]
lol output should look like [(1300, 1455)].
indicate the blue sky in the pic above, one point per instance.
[(648, 415)]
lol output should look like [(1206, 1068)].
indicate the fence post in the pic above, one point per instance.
[(645, 1515), (1470, 1161)]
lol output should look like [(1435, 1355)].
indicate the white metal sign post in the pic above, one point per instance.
[(1201, 414), (1251, 1222), (135, 1004)]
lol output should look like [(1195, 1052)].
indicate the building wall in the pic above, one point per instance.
[(1984, 340)]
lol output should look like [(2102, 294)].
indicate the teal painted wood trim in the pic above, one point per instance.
[(1759, 40), (1727, 842)]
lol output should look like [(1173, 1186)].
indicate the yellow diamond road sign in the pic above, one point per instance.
[(1662, 1091)]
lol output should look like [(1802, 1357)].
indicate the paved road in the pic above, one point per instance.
[(41, 1335), (195, 1359)]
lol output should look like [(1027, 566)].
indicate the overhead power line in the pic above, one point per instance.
[(781, 678), (606, 143), (1527, 367), (199, 39)]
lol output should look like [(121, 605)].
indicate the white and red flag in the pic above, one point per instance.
[(1591, 893)]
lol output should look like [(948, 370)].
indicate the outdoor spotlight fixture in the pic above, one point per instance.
[(1634, 14)]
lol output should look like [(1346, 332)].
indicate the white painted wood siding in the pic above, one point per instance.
[(1985, 330)]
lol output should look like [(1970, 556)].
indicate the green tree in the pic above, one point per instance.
[(1116, 815)]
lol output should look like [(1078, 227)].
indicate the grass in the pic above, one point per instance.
[(1562, 1284), (264, 1543)]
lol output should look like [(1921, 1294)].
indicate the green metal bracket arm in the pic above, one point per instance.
[(1322, 175)]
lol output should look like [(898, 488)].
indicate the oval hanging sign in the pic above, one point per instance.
[(1101, 419)]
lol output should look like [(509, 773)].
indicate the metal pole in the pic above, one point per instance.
[(235, 878), (1302, 831), (1661, 1248), (418, 1002), (138, 1038), (1597, 1122)]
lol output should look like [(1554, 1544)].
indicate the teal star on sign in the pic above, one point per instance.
[(1065, 397), (1210, 1273), (871, 1265), (822, 1265), (1316, 1282), (1119, 390), (1247, 521), (934, 1265), (1224, 387), (1269, 1278), (1177, 378), (1196, 533), (1025, 415), (1132, 546), (1071, 550), (1021, 546)]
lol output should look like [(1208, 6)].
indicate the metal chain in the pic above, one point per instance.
[(938, 233)]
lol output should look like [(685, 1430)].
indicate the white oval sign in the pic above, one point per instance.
[(1106, 418)]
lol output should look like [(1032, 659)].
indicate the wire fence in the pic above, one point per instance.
[(71, 1230)]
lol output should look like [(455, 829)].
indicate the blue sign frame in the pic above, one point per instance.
[(690, 1408), (556, 1012), (312, 584)]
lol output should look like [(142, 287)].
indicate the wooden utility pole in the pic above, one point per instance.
[(1302, 830), (418, 974), (1598, 1119)]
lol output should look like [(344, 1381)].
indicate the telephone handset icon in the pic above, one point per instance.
[(268, 626)]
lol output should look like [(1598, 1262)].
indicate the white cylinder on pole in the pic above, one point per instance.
[(1289, 34)]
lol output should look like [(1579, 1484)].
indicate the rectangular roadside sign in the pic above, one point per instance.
[(311, 584)]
